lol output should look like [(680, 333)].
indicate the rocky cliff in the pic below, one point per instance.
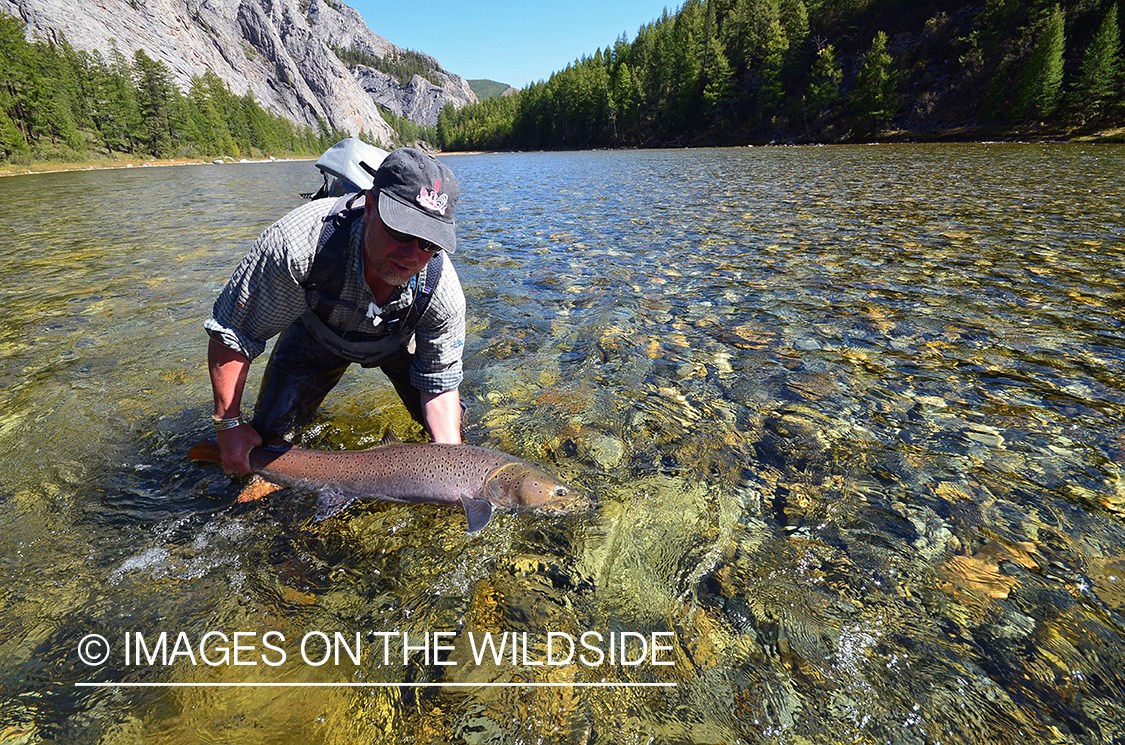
[(419, 100), (282, 50)]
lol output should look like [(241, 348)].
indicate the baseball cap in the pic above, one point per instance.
[(418, 196)]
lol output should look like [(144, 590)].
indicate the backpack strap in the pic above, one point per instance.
[(427, 283), (326, 276), (329, 270)]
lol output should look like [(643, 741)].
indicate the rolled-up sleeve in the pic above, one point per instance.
[(264, 295)]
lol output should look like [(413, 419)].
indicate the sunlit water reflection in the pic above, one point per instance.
[(853, 418)]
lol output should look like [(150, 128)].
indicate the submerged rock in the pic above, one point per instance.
[(794, 438)]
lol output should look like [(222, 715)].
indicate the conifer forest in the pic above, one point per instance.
[(58, 103), (729, 72), (714, 72)]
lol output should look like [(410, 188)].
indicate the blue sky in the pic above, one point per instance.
[(517, 42)]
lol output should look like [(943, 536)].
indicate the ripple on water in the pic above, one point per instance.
[(852, 417)]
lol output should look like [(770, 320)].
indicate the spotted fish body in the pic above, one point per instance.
[(475, 478)]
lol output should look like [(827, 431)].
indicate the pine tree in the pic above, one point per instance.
[(824, 88), (39, 86), (718, 77), (66, 74), (209, 97), (1040, 85), (875, 103), (794, 16), (14, 51), (1098, 77), (154, 98), (122, 123), (776, 44), (624, 97), (12, 142)]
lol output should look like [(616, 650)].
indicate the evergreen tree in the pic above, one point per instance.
[(717, 77), (794, 17), (776, 44), (1040, 85), (1100, 73), (154, 98), (64, 70), (14, 137), (209, 97), (39, 86), (875, 103), (624, 97), (12, 143), (121, 122), (824, 88)]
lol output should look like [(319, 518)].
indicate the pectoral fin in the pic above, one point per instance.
[(256, 488), (329, 502), (478, 512)]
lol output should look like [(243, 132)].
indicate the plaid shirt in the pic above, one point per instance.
[(265, 295)]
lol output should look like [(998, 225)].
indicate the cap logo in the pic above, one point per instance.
[(432, 200)]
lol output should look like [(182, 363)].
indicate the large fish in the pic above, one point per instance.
[(475, 478)]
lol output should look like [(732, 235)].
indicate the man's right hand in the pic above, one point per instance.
[(235, 445)]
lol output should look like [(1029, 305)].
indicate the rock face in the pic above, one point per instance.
[(419, 100), (279, 49)]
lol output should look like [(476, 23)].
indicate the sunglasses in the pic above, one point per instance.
[(427, 246)]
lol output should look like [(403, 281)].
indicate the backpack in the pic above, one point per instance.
[(342, 167)]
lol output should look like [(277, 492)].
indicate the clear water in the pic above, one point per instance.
[(853, 418)]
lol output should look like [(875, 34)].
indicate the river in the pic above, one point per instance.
[(853, 419)]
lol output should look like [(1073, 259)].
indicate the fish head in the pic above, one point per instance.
[(523, 486)]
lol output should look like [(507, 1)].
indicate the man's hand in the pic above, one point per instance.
[(235, 445)]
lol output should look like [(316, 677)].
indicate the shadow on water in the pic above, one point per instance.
[(852, 418)]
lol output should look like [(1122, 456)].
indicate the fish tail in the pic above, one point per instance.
[(206, 450)]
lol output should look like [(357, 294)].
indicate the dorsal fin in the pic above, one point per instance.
[(478, 513), (389, 438)]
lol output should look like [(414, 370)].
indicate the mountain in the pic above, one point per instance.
[(485, 89), (286, 51), (420, 99)]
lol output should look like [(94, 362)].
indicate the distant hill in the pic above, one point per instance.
[(488, 88)]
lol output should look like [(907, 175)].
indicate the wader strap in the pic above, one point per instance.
[(327, 277), (367, 353)]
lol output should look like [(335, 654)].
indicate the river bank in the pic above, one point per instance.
[(851, 415), (1030, 133), (101, 164), (1027, 133)]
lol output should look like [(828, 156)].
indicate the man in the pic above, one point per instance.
[(383, 294)]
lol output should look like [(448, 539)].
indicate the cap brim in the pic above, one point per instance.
[(406, 219)]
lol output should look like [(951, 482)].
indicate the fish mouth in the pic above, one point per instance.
[(566, 499)]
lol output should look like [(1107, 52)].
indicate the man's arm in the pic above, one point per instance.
[(228, 370), (442, 414)]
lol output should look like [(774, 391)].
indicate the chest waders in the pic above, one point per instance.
[(310, 357)]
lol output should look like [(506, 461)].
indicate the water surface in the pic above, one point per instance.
[(853, 417)]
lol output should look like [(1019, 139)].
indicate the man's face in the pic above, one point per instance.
[(392, 260)]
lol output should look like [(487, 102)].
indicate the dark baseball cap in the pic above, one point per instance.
[(418, 196)]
